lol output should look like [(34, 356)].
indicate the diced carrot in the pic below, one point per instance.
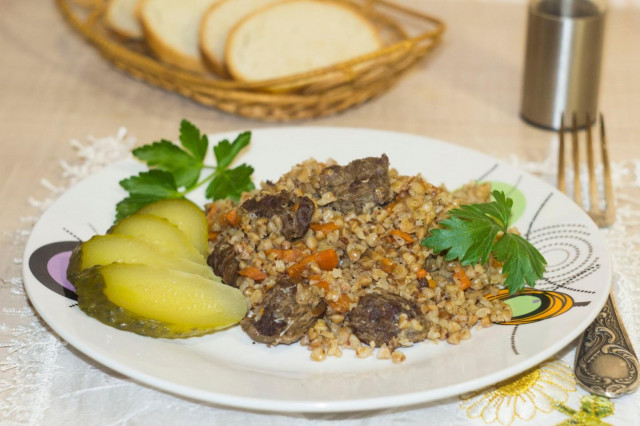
[(212, 235), (387, 265), (295, 207), (253, 273), (432, 283), (461, 278), (421, 273), (322, 284), (495, 263), (342, 304), (292, 255), (326, 260), (402, 235), (233, 218), (324, 227), (288, 255)]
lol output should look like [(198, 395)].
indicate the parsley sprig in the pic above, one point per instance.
[(470, 235), (174, 170)]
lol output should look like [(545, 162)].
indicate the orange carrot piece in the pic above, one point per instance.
[(212, 235), (496, 263), (326, 260), (387, 265), (421, 273), (461, 278), (402, 235), (288, 255), (324, 227), (233, 218), (253, 273), (323, 284), (342, 304), (432, 283)]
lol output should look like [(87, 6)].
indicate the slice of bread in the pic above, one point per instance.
[(216, 25), (171, 28), (296, 36), (121, 18)]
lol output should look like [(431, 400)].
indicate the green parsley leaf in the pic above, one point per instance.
[(175, 171), (231, 184), (164, 155), (193, 141), (156, 183), (469, 235), (145, 188), (225, 152), (522, 262), (470, 242)]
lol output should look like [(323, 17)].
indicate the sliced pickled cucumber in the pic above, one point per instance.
[(158, 302), (187, 216), (160, 233), (116, 248)]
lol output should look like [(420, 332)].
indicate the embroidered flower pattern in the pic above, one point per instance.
[(521, 397)]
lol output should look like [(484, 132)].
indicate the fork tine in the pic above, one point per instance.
[(561, 178), (593, 188), (608, 184), (577, 192)]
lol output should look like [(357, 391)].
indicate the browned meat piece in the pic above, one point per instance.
[(224, 264), (376, 316), (295, 212), (279, 318), (360, 182)]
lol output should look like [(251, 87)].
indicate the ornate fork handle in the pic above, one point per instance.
[(605, 361)]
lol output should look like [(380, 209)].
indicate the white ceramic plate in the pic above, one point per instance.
[(227, 368)]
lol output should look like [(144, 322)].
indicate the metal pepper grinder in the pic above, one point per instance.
[(562, 61)]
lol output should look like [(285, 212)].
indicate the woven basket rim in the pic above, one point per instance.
[(108, 44)]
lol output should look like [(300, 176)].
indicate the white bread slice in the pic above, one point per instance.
[(216, 25), (121, 18), (296, 36), (171, 28)]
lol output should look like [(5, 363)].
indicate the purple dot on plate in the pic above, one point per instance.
[(57, 267)]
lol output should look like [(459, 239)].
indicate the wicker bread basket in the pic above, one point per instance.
[(318, 93)]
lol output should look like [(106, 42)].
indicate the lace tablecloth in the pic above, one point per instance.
[(44, 381)]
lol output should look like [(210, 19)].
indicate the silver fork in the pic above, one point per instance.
[(605, 363)]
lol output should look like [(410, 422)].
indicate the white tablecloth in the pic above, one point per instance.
[(44, 381)]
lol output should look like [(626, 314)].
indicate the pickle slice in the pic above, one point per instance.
[(160, 233), (187, 216), (116, 248), (158, 302)]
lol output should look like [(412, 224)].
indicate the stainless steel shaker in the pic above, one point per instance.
[(562, 60)]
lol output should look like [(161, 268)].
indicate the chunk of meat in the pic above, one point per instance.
[(224, 264), (360, 182), (376, 318), (280, 318), (294, 212)]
